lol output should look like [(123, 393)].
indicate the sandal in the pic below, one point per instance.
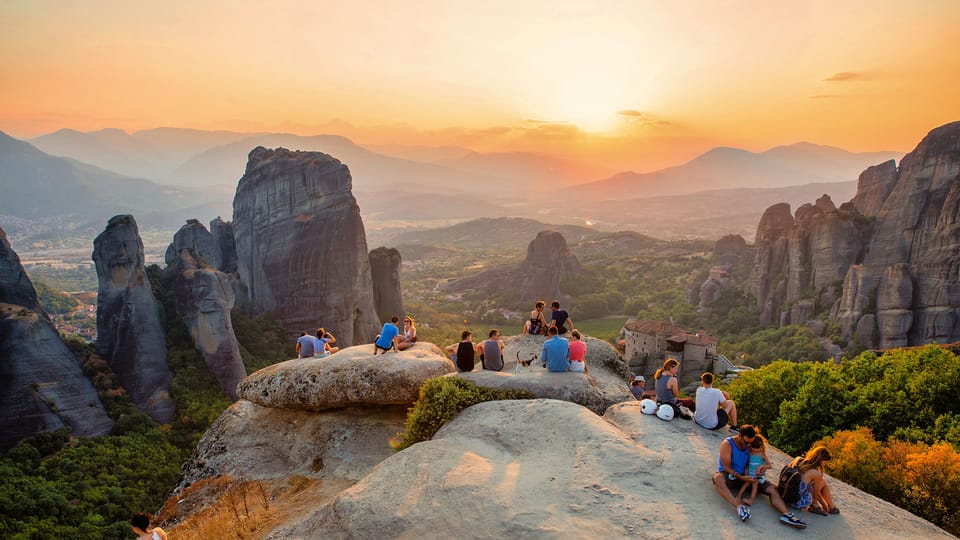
[(834, 511), (817, 510)]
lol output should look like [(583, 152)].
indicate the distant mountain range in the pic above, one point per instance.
[(721, 191), (37, 185)]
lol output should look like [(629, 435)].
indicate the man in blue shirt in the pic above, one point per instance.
[(556, 352), (387, 338)]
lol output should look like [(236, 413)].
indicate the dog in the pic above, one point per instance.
[(528, 363)]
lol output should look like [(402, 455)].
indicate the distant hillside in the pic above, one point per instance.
[(725, 168), (37, 185), (485, 233), (535, 169)]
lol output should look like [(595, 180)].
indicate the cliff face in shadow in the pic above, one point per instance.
[(129, 334), (42, 387), (301, 248), (204, 298)]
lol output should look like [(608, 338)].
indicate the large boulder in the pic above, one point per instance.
[(301, 248), (204, 298), (603, 386), (353, 376), (385, 270), (129, 334), (552, 469), (42, 387)]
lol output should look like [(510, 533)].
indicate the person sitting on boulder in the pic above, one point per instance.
[(536, 324), (668, 390), (555, 354), (756, 466), (814, 491), (305, 345), (140, 523), (321, 344), (637, 386), (578, 353), (731, 475), (387, 340), (714, 407), (559, 318), (491, 351), (463, 352), (409, 336)]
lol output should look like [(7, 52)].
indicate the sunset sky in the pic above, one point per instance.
[(632, 84)]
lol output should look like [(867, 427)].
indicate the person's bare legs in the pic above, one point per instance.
[(721, 483), (775, 501), (731, 409), (821, 492), (404, 345)]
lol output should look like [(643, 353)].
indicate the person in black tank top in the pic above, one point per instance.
[(465, 351)]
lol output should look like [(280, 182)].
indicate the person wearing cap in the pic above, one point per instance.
[(637, 386), (731, 475)]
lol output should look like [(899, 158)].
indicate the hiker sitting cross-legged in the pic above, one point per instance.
[(731, 475), (810, 491)]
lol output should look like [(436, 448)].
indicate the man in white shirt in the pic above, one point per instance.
[(714, 407)]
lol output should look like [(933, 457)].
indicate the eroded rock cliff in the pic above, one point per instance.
[(301, 248), (42, 387), (129, 334), (204, 298), (385, 271)]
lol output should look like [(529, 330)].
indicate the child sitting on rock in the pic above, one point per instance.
[(756, 466)]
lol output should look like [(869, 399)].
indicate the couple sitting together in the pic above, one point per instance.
[(712, 409)]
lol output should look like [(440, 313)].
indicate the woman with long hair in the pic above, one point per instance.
[(814, 491), (409, 335), (536, 324)]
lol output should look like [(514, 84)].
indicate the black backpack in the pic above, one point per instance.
[(788, 486)]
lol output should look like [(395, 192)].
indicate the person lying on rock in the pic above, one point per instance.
[(731, 475), (555, 354), (388, 337)]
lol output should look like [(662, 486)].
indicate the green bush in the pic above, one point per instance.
[(441, 400)]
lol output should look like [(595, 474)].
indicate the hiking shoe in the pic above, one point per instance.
[(792, 521), (743, 512)]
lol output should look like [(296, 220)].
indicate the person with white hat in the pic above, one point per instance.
[(637, 386)]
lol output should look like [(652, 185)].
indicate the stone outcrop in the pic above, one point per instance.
[(730, 250), (353, 376), (385, 270), (893, 248), (42, 387), (550, 469), (549, 261), (603, 386), (810, 251), (129, 334), (224, 246), (301, 248), (906, 288), (204, 298)]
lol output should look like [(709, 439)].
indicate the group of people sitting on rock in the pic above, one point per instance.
[(319, 346), (712, 408), (801, 486), (490, 351)]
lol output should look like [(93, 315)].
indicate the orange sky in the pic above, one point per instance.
[(632, 84)]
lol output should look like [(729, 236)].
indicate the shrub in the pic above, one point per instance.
[(441, 400)]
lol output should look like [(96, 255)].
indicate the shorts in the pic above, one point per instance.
[(577, 365), (734, 485)]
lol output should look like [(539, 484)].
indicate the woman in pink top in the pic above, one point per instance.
[(578, 353)]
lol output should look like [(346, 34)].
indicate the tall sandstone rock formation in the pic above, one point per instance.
[(129, 334), (885, 265), (385, 271), (549, 261), (42, 387), (204, 298), (301, 248), (908, 281)]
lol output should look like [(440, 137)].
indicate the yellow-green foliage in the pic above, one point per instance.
[(441, 400), (921, 478)]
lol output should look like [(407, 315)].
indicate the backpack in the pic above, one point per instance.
[(788, 485)]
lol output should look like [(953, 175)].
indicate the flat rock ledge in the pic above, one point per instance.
[(353, 376)]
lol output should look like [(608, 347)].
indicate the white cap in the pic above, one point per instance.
[(638, 378)]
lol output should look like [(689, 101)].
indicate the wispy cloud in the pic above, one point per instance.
[(825, 96), (640, 117), (848, 76)]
